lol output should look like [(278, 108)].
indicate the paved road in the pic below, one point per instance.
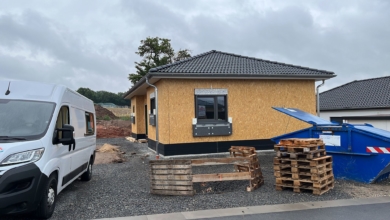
[(348, 209), (356, 212)]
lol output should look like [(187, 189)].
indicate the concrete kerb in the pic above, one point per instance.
[(242, 211)]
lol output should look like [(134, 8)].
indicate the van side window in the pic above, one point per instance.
[(63, 118), (90, 126)]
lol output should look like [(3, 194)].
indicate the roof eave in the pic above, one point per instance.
[(159, 75), (239, 76), (132, 89), (358, 108)]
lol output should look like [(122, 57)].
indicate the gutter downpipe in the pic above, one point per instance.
[(318, 98), (155, 90)]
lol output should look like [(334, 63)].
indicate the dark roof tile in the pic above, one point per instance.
[(220, 64), (217, 62), (358, 94)]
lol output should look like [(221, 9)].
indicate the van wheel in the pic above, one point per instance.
[(49, 198), (87, 175)]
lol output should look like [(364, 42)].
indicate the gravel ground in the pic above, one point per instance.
[(122, 189)]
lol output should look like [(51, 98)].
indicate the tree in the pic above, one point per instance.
[(104, 96), (155, 52), (87, 93), (182, 55)]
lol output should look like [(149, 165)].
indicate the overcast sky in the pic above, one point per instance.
[(92, 43)]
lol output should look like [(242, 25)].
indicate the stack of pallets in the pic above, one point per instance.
[(302, 164), (253, 166)]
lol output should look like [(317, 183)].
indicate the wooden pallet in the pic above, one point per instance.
[(312, 148), (142, 141), (171, 177), (174, 177), (253, 166), (304, 182), (300, 141), (312, 169), (297, 162), (315, 190), (302, 155), (282, 167), (305, 172), (303, 168), (309, 176), (241, 151)]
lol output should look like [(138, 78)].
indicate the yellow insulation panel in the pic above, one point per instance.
[(250, 105), (163, 103)]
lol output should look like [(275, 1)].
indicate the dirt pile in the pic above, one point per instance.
[(113, 128), (103, 113), (108, 148), (120, 112), (108, 154)]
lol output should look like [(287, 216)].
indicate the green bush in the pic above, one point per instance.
[(106, 117), (125, 118)]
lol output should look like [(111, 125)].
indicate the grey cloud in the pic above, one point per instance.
[(353, 43), (73, 51)]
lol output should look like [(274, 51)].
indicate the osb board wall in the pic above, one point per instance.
[(139, 103), (250, 105)]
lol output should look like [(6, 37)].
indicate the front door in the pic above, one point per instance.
[(63, 153), (146, 120)]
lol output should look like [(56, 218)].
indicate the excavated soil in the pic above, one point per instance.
[(108, 154), (109, 126), (113, 128), (103, 113)]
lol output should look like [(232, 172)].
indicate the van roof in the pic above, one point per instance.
[(37, 91)]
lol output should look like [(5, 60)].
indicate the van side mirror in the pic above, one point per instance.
[(67, 135)]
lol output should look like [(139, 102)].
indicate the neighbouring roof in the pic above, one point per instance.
[(217, 64), (359, 94)]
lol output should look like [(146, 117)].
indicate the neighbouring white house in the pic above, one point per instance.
[(358, 102)]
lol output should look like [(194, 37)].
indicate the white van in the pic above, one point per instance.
[(47, 140)]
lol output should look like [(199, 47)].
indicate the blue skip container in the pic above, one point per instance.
[(360, 152)]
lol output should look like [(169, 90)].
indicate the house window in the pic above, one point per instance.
[(90, 123), (211, 108), (152, 105)]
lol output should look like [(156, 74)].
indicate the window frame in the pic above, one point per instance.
[(151, 106), (88, 133), (60, 113), (215, 120)]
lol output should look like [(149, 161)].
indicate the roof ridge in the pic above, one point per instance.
[(355, 81), (274, 62), (155, 69)]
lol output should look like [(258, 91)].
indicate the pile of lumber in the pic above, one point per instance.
[(302, 164), (131, 139), (253, 167), (175, 177)]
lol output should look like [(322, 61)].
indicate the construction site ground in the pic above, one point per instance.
[(112, 123), (119, 189), (120, 185)]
